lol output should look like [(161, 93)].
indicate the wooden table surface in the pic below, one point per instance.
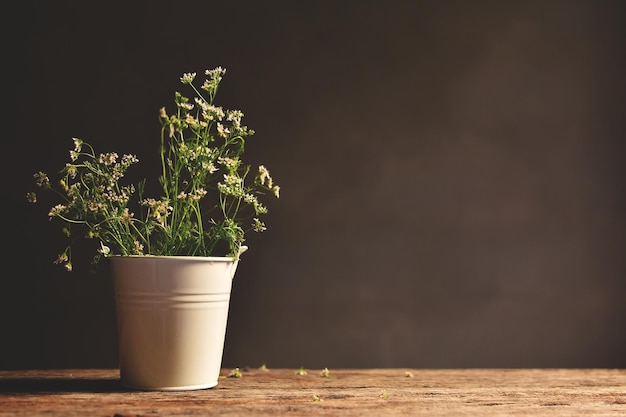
[(343, 392)]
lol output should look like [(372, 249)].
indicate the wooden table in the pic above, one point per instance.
[(343, 392)]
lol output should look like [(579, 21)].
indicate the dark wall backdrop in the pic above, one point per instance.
[(452, 178)]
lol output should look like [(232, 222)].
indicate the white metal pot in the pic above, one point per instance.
[(171, 319)]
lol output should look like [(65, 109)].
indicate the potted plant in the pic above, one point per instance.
[(173, 256)]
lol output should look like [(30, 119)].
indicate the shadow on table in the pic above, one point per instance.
[(56, 385)]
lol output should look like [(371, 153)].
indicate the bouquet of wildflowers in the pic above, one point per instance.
[(210, 197)]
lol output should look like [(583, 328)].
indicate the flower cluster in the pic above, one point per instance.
[(210, 197)]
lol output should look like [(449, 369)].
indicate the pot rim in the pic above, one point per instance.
[(179, 257), (182, 257)]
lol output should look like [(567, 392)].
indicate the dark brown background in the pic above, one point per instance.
[(451, 173)]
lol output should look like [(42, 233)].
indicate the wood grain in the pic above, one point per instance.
[(344, 392)]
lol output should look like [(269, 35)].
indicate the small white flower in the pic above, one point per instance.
[(215, 72), (41, 179), (188, 77), (105, 250), (258, 225), (108, 158), (56, 210), (229, 163), (264, 174), (222, 131), (209, 167), (78, 144)]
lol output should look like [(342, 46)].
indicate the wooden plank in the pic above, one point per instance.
[(344, 392)]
